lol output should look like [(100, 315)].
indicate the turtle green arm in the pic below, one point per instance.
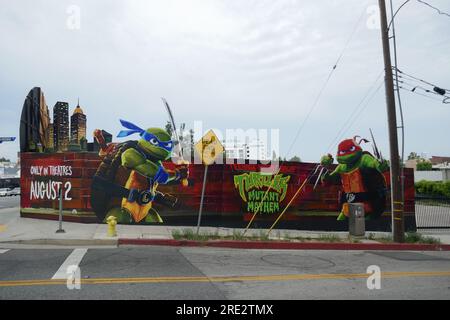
[(133, 160), (335, 175)]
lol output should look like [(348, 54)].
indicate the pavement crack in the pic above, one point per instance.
[(212, 283)]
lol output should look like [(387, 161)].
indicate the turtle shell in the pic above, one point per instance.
[(111, 170), (375, 182)]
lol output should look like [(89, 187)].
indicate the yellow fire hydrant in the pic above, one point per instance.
[(112, 222)]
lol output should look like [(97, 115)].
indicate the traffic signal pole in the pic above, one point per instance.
[(397, 205)]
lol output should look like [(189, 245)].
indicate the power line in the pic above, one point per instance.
[(322, 90), (420, 1), (313, 106), (406, 81), (435, 90), (350, 38), (438, 10), (421, 94), (364, 107), (353, 113), (420, 80), (396, 12)]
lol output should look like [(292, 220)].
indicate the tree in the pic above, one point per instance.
[(295, 159), (191, 142), (413, 156), (169, 128), (424, 165), (3, 159)]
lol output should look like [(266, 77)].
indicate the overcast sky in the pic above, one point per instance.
[(229, 63)]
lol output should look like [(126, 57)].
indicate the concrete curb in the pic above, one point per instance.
[(64, 242), (286, 245)]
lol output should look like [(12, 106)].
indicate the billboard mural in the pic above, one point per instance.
[(232, 194), (137, 182)]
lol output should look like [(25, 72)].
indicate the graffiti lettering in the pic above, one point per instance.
[(49, 190), (253, 188), (256, 180), (58, 171)]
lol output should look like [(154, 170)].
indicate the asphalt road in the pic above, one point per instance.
[(163, 273), (9, 210), (9, 202)]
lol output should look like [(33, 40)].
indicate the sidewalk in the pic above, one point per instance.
[(43, 232)]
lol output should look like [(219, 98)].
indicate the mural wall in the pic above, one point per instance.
[(232, 194), (134, 181)]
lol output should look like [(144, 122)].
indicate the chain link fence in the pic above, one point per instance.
[(432, 213)]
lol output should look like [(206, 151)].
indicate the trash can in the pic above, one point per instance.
[(357, 222)]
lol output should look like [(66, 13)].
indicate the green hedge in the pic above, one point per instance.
[(432, 188)]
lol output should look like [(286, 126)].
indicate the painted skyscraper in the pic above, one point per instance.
[(50, 137), (61, 126), (77, 125)]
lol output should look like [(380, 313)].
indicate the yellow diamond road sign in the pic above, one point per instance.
[(209, 148)]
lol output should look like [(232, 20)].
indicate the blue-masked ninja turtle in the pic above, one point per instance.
[(125, 184)]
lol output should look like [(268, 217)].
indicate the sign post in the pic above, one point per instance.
[(201, 201), (60, 229), (209, 148)]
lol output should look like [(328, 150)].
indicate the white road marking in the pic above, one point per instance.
[(3, 251), (73, 259)]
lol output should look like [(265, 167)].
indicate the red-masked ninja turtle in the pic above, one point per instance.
[(361, 175)]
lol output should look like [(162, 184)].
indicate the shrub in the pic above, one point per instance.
[(433, 188), (424, 166)]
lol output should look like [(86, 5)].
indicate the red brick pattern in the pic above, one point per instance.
[(221, 195)]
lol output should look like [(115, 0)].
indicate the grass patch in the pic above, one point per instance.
[(414, 237), (385, 239), (329, 238), (176, 234), (263, 236), (238, 235), (371, 236), (301, 239), (190, 234)]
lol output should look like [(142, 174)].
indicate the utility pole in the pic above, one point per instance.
[(398, 225)]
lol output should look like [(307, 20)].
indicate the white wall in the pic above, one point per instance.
[(428, 176), (446, 174)]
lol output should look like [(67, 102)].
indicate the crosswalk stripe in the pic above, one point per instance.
[(3, 251), (73, 259)]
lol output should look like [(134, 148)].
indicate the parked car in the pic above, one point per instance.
[(13, 192), (3, 192)]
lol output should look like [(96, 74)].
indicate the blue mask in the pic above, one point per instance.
[(151, 138)]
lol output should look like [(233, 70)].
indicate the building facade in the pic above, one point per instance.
[(61, 126), (50, 137), (78, 125), (250, 150)]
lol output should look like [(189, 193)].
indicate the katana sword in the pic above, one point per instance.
[(375, 148), (184, 182)]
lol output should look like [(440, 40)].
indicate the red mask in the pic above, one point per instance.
[(347, 147)]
